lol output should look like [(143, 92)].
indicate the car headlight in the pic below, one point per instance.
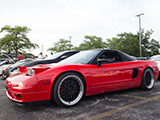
[(31, 72)]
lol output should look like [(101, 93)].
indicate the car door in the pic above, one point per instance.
[(114, 74)]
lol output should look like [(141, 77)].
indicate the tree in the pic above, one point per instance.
[(91, 42), (154, 47), (126, 42), (149, 47), (16, 39), (129, 43), (62, 45)]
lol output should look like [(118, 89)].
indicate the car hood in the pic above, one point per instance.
[(22, 83), (43, 66)]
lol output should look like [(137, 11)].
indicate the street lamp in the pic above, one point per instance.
[(140, 32), (70, 41), (42, 49)]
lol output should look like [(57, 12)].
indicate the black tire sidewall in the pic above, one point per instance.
[(143, 82), (54, 94)]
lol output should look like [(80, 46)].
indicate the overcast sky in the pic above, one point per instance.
[(51, 20)]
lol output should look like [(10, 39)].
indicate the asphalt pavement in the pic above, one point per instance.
[(131, 104)]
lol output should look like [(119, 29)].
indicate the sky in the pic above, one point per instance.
[(51, 20)]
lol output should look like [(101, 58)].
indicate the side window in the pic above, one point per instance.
[(112, 57)]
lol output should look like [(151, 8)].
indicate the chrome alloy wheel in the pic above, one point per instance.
[(70, 90), (149, 79)]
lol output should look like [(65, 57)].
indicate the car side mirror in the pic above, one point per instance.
[(100, 61)]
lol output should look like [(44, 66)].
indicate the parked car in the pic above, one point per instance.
[(12, 69), (156, 58), (85, 73), (52, 59), (2, 67), (142, 58), (5, 61)]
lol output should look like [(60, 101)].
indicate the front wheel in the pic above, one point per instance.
[(68, 89), (148, 81)]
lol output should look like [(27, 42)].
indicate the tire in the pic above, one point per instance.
[(68, 89), (147, 82)]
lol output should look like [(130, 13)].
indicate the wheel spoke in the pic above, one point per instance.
[(148, 78), (70, 90)]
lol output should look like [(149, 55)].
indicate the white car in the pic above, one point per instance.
[(5, 61), (3, 67), (156, 58)]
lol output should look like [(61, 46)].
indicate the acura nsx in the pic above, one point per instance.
[(85, 73)]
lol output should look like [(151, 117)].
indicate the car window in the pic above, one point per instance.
[(82, 57), (21, 62), (112, 57)]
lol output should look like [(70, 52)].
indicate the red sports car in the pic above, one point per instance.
[(86, 73)]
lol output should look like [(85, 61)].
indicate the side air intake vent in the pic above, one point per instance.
[(135, 73)]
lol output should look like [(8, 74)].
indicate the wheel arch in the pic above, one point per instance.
[(83, 79), (147, 68)]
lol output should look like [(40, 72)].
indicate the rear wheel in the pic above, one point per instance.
[(68, 89), (148, 81)]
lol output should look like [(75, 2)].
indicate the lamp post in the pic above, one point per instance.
[(42, 49), (70, 41), (140, 32)]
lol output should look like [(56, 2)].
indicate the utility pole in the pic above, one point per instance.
[(70, 41), (140, 32), (42, 49)]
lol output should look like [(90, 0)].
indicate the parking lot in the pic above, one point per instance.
[(131, 104)]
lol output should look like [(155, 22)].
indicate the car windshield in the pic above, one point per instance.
[(82, 57), (55, 55), (156, 57)]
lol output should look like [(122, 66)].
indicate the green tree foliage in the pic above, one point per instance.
[(149, 46), (129, 43), (91, 42), (62, 45), (126, 42), (16, 39)]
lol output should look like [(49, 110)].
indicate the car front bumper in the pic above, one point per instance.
[(27, 97)]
